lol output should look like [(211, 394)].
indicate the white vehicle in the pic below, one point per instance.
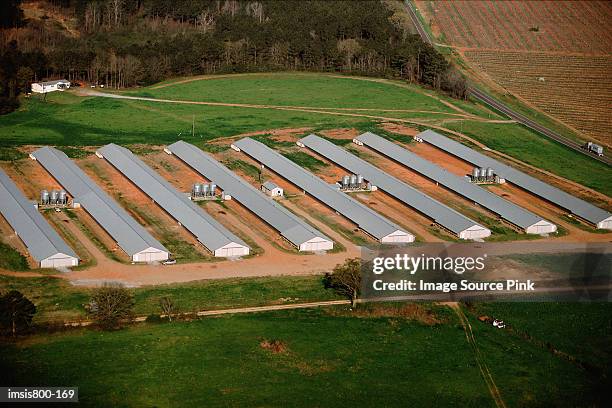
[(169, 262), (594, 148), (499, 324)]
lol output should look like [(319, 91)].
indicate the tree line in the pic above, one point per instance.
[(123, 43)]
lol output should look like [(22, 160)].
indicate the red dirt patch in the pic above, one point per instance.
[(399, 129), (274, 346), (340, 133)]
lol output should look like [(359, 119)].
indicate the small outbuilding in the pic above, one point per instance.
[(50, 86), (272, 189)]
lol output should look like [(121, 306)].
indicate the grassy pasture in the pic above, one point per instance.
[(581, 330), (55, 298), (11, 259), (308, 90), (72, 121), (376, 356)]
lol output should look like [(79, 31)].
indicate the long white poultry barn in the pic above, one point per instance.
[(43, 243), (451, 220), (601, 219), (129, 235), (512, 213), (292, 228), (374, 224), (210, 233)]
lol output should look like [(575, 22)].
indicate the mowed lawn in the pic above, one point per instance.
[(327, 358)]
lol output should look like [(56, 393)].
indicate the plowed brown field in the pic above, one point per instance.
[(554, 55)]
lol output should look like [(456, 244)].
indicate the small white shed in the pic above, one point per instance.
[(272, 189), (50, 86)]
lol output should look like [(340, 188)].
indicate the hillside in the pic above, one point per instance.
[(134, 43), (555, 56)]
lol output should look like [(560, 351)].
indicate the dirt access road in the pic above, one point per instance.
[(276, 263), (273, 263), (310, 109)]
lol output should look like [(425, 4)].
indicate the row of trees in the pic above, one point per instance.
[(124, 43), (17, 70)]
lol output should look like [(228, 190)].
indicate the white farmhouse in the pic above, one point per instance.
[(50, 86)]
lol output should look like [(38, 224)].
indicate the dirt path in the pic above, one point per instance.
[(274, 265), (102, 261), (254, 309), (351, 249), (482, 365), (354, 78), (310, 109)]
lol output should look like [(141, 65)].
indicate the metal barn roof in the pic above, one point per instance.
[(54, 82), (270, 185), (207, 230), (368, 220), (41, 240), (441, 214), (504, 208), (577, 206), (289, 225), (130, 235)]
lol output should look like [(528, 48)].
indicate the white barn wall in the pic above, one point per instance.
[(542, 227), (397, 237), (605, 224), (150, 255), (315, 245), (231, 250), (475, 232), (59, 261)]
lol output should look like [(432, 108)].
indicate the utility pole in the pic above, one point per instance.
[(193, 126)]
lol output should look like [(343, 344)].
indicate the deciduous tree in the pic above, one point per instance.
[(110, 306), (16, 311), (345, 279)]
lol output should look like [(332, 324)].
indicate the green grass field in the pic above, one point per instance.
[(328, 357), (68, 120), (307, 90), (399, 354), (581, 330), (11, 259), (56, 299)]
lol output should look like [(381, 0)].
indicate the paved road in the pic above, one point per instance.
[(501, 107)]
